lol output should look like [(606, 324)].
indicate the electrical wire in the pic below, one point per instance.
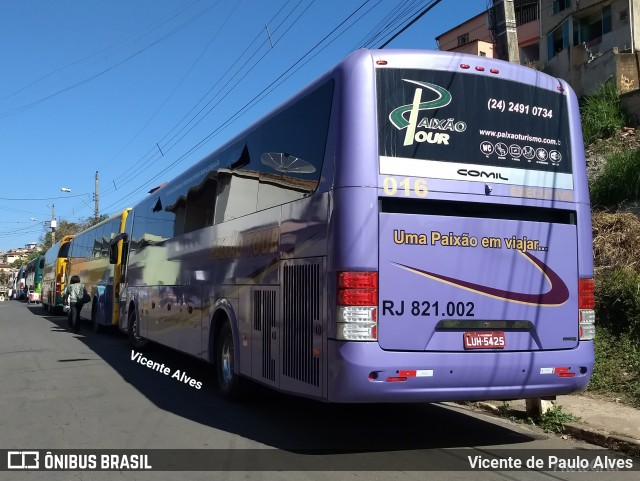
[(92, 77), (234, 117)]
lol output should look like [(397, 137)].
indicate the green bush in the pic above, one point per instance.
[(617, 367), (617, 343), (618, 302), (601, 114), (619, 181), (554, 420)]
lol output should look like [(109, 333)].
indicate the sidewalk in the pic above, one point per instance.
[(604, 423)]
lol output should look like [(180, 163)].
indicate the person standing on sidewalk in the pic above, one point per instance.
[(73, 294)]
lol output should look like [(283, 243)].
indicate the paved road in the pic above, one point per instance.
[(64, 391)]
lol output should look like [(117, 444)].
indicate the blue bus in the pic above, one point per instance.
[(413, 226)]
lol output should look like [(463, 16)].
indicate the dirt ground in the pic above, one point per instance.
[(596, 153)]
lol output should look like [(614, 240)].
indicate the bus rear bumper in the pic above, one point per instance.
[(363, 372)]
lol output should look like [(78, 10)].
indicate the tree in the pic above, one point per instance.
[(64, 228), (31, 256), (69, 228), (91, 221)]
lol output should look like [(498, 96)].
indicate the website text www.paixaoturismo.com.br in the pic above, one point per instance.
[(524, 137)]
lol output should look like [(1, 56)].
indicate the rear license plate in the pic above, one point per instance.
[(484, 340)]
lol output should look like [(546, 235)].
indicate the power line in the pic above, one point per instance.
[(391, 21), (175, 89), (102, 72), (41, 198), (99, 53), (151, 153), (248, 105), (194, 119), (433, 4)]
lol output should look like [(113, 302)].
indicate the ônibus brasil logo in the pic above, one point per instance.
[(399, 120)]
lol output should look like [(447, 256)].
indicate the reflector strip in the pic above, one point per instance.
[(564, 372), (416, 373)]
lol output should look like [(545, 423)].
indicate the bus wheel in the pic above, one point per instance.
[(97, 328), (136, 341), (229, 383)]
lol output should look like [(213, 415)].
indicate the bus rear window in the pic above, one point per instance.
[(466, 118)]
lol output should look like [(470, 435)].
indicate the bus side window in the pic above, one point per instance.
[(237, 195), (179, 210), (201, 204)]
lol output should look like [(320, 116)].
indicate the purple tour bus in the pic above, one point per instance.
[(413, 226)]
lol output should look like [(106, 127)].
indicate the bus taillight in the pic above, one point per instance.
[(586, 306), (357, 300)]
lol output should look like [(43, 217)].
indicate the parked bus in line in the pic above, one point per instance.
[(413, 226), (33, 279), (89, 260), (53, 275), (20, 284)]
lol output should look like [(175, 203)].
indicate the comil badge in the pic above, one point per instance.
[(434, 129)]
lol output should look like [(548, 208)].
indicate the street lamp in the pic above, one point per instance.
[(54, 224)]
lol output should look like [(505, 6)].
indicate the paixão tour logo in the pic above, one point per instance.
[(399, 120)]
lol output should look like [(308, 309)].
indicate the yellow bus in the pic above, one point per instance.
[(89, 260), (53, 274)]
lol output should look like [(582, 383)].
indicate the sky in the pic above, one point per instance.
[(135, 92)]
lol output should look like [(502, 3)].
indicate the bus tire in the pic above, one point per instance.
[(137, 342), (229, 383)]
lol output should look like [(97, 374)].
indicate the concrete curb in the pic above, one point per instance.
[(615, 442)]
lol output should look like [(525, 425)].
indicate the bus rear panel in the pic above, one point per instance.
[(483, 270)]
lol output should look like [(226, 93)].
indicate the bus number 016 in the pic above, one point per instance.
[(418, 188)]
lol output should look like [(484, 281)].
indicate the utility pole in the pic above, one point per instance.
[(506, 31), (96, 211), (53, 224)]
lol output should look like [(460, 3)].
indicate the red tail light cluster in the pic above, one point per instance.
[(586, 306), (357, 306)]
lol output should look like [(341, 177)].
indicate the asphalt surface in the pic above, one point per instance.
[(62, 391)]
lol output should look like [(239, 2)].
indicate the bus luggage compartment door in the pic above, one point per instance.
[(469, 284)]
